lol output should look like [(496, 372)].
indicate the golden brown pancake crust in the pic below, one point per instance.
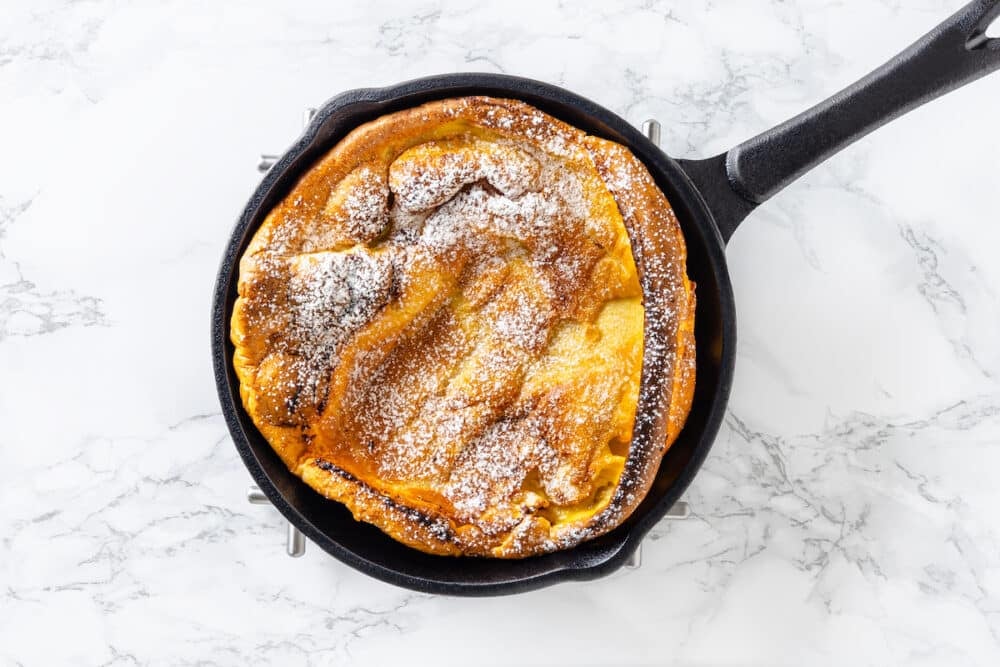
[(441, 326)]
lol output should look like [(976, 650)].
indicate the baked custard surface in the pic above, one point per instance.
[(441, 326)]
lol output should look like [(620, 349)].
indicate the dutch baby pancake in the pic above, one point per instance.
[(441, 326)]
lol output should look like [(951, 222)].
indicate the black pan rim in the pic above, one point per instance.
[(377, 101)]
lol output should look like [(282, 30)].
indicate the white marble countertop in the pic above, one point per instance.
[(848, 514)]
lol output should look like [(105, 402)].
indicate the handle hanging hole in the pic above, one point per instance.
[(987, 33), (992, 30)]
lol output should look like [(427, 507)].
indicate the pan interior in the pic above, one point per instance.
[(330, 525)]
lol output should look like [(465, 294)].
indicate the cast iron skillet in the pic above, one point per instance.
[(711, 197)]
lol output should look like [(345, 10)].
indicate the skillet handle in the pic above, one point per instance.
[(955, 53)]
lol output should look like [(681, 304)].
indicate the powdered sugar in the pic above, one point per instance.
[(488, 246), (331, 295), (364, 211), (428, 175), (484, 205)]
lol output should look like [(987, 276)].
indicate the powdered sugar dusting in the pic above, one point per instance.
[(362, 207), (428, 175), (331, 295), (469, 252)]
